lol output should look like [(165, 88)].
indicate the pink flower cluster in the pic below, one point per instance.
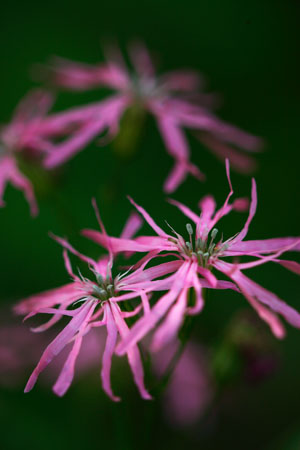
[(173, 99), (154, 296), (194, 264)]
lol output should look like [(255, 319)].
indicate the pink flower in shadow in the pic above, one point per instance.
[(190, 389), (173, 99), (19, 349), (26, 133)]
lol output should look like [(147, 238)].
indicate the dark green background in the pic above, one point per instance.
[(249, 53)]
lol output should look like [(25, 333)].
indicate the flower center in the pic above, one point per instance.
[(204, 250), (104, 289), (144, 88)]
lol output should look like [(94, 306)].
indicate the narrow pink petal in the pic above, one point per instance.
[(145, 302), (181, 80), (9, 172), (293, 266), (109, 246), (60, 123), (174, 138), (68, 265), (224, 209), (71, 249), (147, 322), (167, 331), (262, 295), (175, 178), (252, 212), (116, 60), (111, 340), (133, 354), (128, 296), (153, 272), (235, 136), (132, 226), (149, 219), (132, 313), (265, 314), (56, 346), (115, 77), (62, 152), (222, 284), (157, 243), (208, 275), (118, 245), (186, 211), (67, 374), (34, 105), (66, 294), (45, 326), (141, 59), (72, 75), (239, 161), (59, 312), (265, 259), (178, 174), (263, 246), (202, 119), (136, 367), (102, 264), (199, 304), (207, 205)]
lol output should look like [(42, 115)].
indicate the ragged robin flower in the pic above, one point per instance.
[(196, 263), (173, 99), (22, 135), (90, 302)]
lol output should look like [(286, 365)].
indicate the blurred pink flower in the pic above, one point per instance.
[(22, 135), (99, 307), (19, 350), (190, 389), (192, 269), (172, 98)]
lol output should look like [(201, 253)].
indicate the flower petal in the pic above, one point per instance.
[(56, 346), (149, 219), (147, 322), (111, 340), (133, 354)]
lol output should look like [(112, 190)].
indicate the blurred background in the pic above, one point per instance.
[(249, 386)]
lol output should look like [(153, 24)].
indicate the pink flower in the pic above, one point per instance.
[(89, 303), (190, 390), (20, 136), (195, 261), (19, 350), (167, 97)]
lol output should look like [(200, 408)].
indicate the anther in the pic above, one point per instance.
[(214, 233), (99, 278), (98, 292), (188, 245), (110, 289), (189, 228), (199, 243), (211, 248)]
